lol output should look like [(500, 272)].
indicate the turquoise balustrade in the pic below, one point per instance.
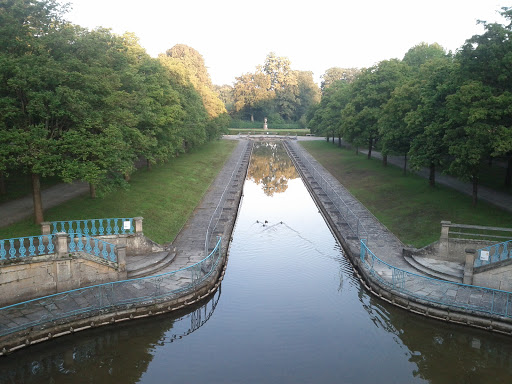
[(92, 246), (100, 298), (493, 254), (29, 246), (94, 227), (454, 295)]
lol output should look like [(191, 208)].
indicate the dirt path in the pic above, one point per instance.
[(19, 209)]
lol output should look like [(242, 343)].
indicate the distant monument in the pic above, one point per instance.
[(265, 124)]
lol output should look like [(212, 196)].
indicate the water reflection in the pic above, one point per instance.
[(444, 353), (115, 354), (271, 168)]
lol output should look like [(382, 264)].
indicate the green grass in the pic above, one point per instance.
[(405, 204), (271, 131), (165, 197)]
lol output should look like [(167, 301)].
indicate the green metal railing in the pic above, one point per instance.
[(102, 298), (493, 254), (445, 293)]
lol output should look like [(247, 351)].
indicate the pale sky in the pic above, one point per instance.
[(234, 36)]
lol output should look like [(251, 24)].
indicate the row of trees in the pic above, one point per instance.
[(275, 91), (440, 110), (86, 105)]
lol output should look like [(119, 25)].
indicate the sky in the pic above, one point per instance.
[(234, 36)]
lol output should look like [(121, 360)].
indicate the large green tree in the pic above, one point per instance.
[(487, 58)]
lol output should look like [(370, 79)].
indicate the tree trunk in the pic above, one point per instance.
[(127, 177), (92, 190), (36, 196), (327, 137), (508, 176), (405, 164), (474, 179), (432, 175), (370, 145), (339, 140), (252, 118), (385, 160), (3, 190), (357, 150), (148, 165), (333, 138)]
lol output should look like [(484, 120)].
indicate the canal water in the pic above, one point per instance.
[(289, 311)]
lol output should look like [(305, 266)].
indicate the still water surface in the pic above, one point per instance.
[(289, 311)]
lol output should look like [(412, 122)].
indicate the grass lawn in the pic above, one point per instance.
[(406, 204), (270, 131), (165, 196)]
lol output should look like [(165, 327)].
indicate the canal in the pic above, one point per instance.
[(288, 311)]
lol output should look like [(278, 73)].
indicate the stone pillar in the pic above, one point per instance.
[(444, 239), (61, 248), (137, 222), (46, 228), (121, 260), (468, 267)]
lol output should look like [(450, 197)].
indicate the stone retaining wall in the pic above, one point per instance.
[(46, 275)]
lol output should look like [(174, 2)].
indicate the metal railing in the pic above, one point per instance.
[(493, 254), (21, 247), (95, 227), (341, 206), (102, 298), (92, 246), (477, 232), (446, 293), (214, 220)]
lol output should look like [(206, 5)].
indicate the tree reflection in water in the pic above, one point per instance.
[(271, 167)]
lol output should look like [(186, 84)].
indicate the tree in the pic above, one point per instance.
[(336, 74), (195, 69), (395, 132), (369, 93), (31, 91), (250, 92), (422, 53), (437, 79), (472, 126), (487, 58), (308, 93)]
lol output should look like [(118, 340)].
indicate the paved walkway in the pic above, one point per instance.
[(19, 209)]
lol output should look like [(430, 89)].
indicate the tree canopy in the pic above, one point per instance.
[(442, 110), (86, 105), (275, 91)]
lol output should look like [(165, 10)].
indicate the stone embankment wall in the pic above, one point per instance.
[(32, 277), (46, 275)]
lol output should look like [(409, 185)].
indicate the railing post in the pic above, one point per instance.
[(137, 222), (46, 228), (468, 268), (444, 239), (61, 249), (121, 258)]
